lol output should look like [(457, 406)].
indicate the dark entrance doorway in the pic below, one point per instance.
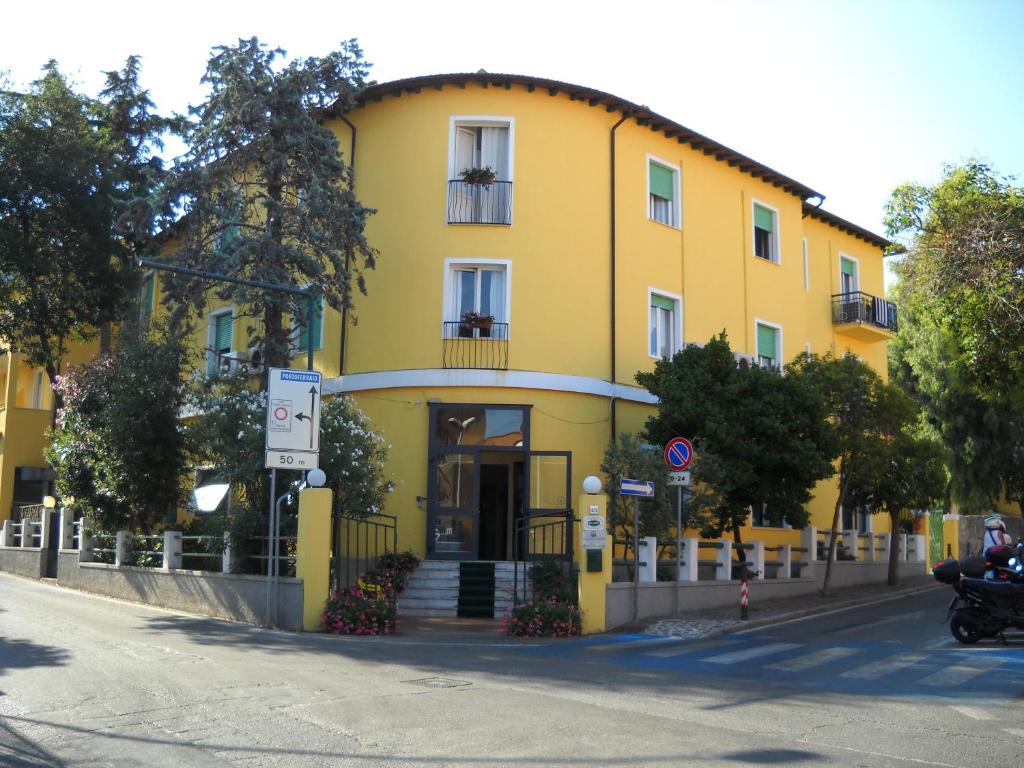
[(501, 500)]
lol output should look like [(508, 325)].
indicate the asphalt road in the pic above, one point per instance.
[(86, 681)]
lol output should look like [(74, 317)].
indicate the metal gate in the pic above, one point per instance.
[(542, 537), (359, 541)]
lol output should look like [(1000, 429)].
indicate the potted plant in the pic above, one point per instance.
[(477, 320), (480, 177)]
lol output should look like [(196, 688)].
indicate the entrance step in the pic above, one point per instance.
[(447, 588)]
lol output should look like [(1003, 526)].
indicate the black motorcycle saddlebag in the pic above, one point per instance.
[(948, 571), (973, 567)]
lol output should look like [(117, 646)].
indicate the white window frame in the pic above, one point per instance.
[(677, 175), (777, 232), (779, 349), (482, 121), (293, 336), (211, 336), (448, 313), (677, 319), (807, 267), (856, 273)]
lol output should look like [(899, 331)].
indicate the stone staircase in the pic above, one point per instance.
[(459, 589)]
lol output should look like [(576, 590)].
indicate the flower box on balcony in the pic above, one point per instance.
[(475, 320), (480, 177)]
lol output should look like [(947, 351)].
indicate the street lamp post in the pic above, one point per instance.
[(271, 287)]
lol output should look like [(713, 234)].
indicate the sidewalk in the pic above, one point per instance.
[(720, 621)]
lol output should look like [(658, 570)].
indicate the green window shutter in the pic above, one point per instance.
[(662, 303), (148, 289), (222, 334), (847, 267), (662, 182), (763, 219), (766, 341)]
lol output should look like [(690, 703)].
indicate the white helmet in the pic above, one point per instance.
[(995, 521)]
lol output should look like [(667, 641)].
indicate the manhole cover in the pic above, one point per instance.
[(438, 682)]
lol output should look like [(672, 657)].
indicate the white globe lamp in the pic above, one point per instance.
[(591, 484)]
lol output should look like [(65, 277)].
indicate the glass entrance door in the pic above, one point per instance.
[(544, 531), (453, 530)]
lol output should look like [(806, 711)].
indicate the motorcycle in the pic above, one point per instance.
[(989, 593)]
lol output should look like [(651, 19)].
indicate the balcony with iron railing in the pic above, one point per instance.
[(863, 316), (473, 203), (467, 346)]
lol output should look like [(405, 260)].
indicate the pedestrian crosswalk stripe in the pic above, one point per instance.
[(800, 663), (751, 653), (680, 650), (954, 674), (884, 667), (975, 713), (647, 641), (1014, 731)]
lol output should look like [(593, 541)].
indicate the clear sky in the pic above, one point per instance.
[(850, 97)]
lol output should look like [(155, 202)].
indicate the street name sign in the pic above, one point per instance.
[(644, 488), (293, 418)]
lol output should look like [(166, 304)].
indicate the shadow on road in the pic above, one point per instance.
[(22, 654), (16, 751)]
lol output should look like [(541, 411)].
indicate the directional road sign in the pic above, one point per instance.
[(293, 417), (678, 453), (643, 488)]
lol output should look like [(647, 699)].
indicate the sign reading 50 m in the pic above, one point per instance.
[(293, 410)]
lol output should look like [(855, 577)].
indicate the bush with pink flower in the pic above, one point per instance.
[(370, 608)]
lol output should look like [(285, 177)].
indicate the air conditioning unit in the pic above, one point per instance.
[(233, 362), (255, 360), (744, 360)]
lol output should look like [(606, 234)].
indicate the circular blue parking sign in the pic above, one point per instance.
[(678, 453)]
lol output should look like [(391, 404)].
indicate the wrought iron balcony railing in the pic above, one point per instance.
[(863, 308), (479, 203), (465, 346)]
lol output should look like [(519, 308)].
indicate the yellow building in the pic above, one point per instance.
[(609, 237), (605, 237)]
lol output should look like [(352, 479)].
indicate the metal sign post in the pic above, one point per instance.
[(637, 489), (678, 456)]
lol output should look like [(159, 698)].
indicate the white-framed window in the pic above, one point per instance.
[(766, 232), (769, 344), (299, 329), (664, 323), (759, 518), (663, 198), (807, 267), (849, 274), (482, 287), (482, 146), (219, 338)]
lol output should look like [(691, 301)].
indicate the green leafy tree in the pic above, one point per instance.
[(904, 472), (965, 261), (265, 192), (60, 278), (116, 446), (863, 412), (760, 438)]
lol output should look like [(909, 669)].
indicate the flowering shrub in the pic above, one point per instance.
[(352, 612), (545, 618), (370, 609)]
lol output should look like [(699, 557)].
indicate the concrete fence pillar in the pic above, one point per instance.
[(85, 541), (786, 558), (592, 584), (45, 520), (920, 548), (809, 543), (758, 565), (904, 554), (123, 541), (313, 553), (227, 559), (882, 549), (723, 562), (7, 534), (688, 571), (27, 529), (648, 555), (172, 550), (850, 541), (67, 528), (869, 542)]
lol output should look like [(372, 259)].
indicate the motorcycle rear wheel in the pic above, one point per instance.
[(965, 632)]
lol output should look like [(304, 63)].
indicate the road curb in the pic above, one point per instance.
[(808, 612)]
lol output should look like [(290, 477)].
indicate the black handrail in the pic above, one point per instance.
[(359, 542), (479, 203), (467, 346)]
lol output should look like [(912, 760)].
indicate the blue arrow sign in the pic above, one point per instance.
[(643, 488)]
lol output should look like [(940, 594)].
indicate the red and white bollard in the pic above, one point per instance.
[(744, 598)]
